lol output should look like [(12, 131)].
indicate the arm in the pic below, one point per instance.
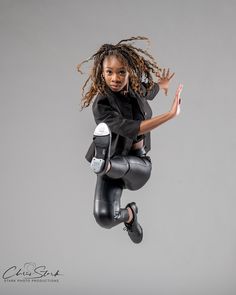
[(104, 112), (149, 95), (163, 84), (150, 124)]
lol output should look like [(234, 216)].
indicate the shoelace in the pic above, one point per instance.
[(127, 228)]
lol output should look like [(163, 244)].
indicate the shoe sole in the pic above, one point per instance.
[(102, 141), (140, 237)]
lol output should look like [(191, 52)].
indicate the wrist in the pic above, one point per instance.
[(160, 85)]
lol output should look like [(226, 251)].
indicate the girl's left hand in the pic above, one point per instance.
[(164, 79)]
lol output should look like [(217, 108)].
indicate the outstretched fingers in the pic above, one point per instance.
[(171, 76), (164, 73)]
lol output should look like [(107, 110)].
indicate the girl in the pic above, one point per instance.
[(122, 81)]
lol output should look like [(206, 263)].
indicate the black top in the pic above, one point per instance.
[(136, 112), (123, 118)]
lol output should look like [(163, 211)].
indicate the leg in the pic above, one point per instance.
[(107, 211), (139, 172), (134, 169), (130, 172)]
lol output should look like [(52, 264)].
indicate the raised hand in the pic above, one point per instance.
[(164, 79), (175, 109)]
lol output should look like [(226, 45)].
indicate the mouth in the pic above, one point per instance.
[(115, 86)]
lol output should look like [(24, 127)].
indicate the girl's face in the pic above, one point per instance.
[(115, 73)]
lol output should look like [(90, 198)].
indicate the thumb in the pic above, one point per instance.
[(178, 110)]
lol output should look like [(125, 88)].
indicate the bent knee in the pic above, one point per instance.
[(139, 173), (104, 219)]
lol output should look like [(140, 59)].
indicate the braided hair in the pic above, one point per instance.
[(140, 63)]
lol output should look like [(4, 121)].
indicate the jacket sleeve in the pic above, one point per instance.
[(103, 112), (152, 92)]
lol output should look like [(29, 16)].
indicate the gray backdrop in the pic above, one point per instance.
[(187, 209)]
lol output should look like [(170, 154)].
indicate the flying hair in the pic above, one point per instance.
[(140, 63)]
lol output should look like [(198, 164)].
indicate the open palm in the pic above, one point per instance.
[(164, 79)]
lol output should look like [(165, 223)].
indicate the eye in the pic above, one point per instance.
[(122, 72), (109, 72)]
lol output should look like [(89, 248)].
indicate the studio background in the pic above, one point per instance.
[(187, 209)]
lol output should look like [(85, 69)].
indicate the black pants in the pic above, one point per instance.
[(127, 172)]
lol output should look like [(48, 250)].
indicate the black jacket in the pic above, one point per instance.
[(116, 111)]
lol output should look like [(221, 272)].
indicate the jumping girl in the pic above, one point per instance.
[(122, 81)]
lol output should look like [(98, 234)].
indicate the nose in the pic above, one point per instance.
[(115, 78)]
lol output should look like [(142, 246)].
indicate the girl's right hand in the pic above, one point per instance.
[(175, 109)]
